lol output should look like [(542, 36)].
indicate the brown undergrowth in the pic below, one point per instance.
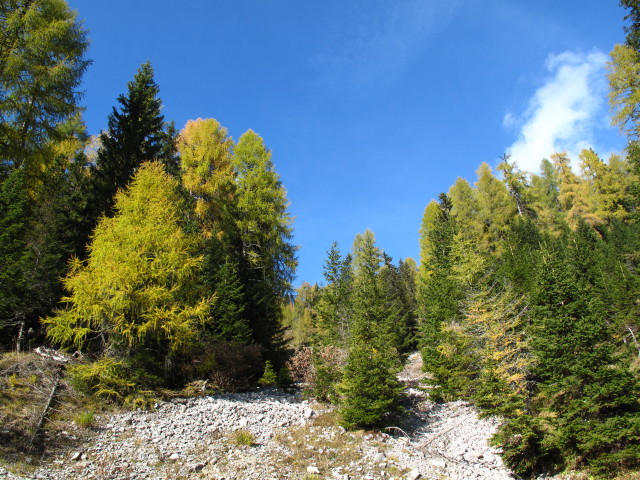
[(40, 414)]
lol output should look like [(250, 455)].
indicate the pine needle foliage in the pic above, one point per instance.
[(136, 134), (42, 48), (139, 284), (369, 390)]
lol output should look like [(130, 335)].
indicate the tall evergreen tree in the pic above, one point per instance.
[(439, 295), (39, 230), (633, 30), (334, 303), (228, 319), (397, 288), (16, 258), (207, 176), (370, 389), (265, 232), (136, 133), (586, 403)]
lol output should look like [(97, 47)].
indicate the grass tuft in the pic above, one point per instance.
[(243, 437), (85, 419)]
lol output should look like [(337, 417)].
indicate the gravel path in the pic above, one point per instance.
[(290, 438)]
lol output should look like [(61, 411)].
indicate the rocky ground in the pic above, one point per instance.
[(276, 435)]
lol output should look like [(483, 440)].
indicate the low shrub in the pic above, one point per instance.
[(243, 437), (300, 364), (269, 376)]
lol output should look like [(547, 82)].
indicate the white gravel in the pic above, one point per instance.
[(191, 438)]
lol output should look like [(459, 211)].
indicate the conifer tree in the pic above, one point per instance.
[(136, 133), (624, 89), (517, 184), (586, 403), (264, 237), (16, 258), (464, 207), (369, 389), (39, 235), (544, 192), (633, 30), (42, 48), (496, 208), (207, 174), (300, 315), (609, 187), (334, 303), (623, 74), (228, 321), (398, 291), (439, 294), (572, 194), (498, 318), (138, 291)]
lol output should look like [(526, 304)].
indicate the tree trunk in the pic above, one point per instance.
[(20, 335)]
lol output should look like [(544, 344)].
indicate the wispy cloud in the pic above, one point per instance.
[(378, 39), (564, 113)]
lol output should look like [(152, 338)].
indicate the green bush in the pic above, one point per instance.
[(115, 381), (284, 378), (243, 437), (526, 447), (269, 376)]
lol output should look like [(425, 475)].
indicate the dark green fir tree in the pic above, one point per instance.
[(136, 133), (370, 390)]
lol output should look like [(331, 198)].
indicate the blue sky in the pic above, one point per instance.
[(370, 107)]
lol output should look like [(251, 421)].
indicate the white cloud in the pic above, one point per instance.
[(564, 113)]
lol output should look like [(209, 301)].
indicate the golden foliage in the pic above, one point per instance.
[(139, 282)]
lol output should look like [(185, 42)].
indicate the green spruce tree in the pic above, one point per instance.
[(334, 306), (369, 389), (264, 238), (136, 133)]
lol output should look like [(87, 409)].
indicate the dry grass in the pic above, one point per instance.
[(26, 383), (324, 448), (326, 418), (328, 447)]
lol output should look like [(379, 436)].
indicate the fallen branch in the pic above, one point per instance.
[(400, 430), (442, 433), (51, 354), (47, 407)]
